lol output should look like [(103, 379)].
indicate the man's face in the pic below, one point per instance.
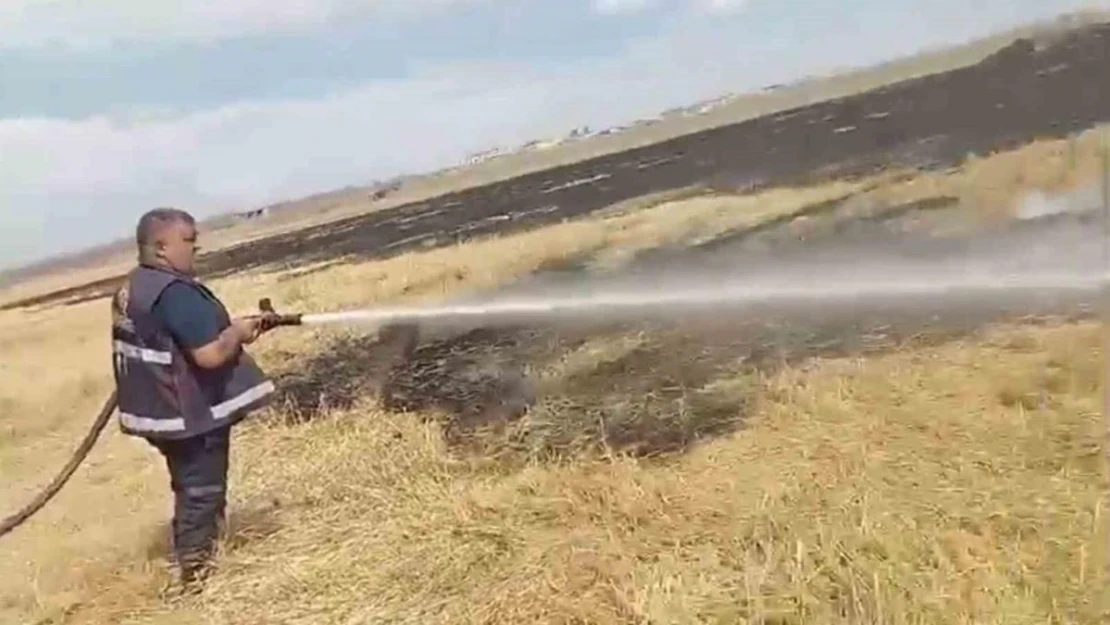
[(178, 247)]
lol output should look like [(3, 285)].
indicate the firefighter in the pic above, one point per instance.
[(183, 378)]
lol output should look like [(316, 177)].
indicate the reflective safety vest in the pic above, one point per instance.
[(161, 393)]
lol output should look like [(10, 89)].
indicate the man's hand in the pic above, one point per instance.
[(249, 328), (265, 322), (242, 331)]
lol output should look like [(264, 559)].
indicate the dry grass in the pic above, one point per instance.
[(916, 488), (996, 185), (959, 483)]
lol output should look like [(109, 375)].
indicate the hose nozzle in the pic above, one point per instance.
[(272, 319)]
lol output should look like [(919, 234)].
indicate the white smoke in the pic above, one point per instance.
[(1038, 204)]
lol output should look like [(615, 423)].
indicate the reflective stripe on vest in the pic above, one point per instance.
[(141, 353), (221, 410), (224, 409), (146, 424)]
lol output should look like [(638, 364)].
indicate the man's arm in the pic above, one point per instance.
[(194, 323), (227, 344)]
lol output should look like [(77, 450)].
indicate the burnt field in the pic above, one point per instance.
[(651, 391), (1023, 92)]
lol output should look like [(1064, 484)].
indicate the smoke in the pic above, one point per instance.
[(1077, 201)]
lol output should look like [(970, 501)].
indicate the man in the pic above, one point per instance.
[(182, 377)]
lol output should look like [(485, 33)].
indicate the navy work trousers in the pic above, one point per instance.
[(198, 476)]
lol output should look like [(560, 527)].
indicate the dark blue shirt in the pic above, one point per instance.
[(191, 318)]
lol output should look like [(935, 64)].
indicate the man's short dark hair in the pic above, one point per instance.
[(154, 220)]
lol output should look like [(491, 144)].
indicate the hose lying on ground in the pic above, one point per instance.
[(17, 519)]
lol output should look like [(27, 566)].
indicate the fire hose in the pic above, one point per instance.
[(269, 320)]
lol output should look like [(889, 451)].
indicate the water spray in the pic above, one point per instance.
[(731, 295)]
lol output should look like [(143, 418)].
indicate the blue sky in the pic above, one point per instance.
[(110, 107)]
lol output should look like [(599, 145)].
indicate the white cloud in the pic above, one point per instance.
[(619, 7), (86, 24), (94, 23), (721, 6), (624, 7)]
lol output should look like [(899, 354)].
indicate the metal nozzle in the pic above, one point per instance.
[(272, 318)]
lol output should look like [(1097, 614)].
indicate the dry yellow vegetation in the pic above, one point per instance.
[(960, 482)]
